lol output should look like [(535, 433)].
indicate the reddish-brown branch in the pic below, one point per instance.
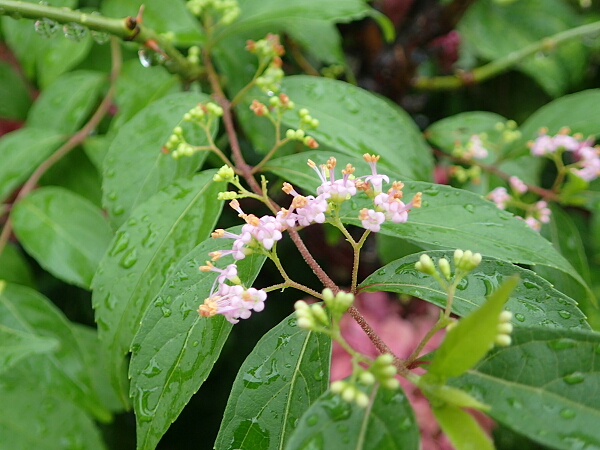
[(74, 141), (373, 336)]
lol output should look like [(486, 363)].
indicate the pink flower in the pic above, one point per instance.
[(517, 184), (475, 148), (371, 219), (499, 196), (375, 179)]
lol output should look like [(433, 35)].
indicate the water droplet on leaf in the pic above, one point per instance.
[(574, 378), (46, 28), (74, 31)]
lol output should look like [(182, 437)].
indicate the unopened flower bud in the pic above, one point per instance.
[(290, 134), (505, 316), (362, 399), (505, 328), (337, 386), (503, 340), (349, 393), (425, 265), (319, 313), (366, 378), (444, 266), (391, 384), (303, 112)]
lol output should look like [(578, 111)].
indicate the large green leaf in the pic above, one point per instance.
[(64, 232), (320, 38), (22, 151), (142, 256), (462, 429), (533, 302), (34, 417), (484, 27), (67, 102), (387, 423), (61, 371), (285, 373), (172, 18), (175, 349), (583, 117), (17, 345), (272, 12), (449, 218), (135, 168), (13, 91), (354, 121), (137, 87), (543, 386)]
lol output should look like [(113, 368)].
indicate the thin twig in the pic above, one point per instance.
[(74, 141)]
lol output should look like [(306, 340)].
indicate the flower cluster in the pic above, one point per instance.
[(586, 156), (535, 214), (226, 10), (269, 52)]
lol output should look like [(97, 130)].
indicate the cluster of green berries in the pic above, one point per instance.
[(269, 51), (464, 262), (509, 131), (313, 317), (194, 54), (306, 120), (227, 10), (382, 370)]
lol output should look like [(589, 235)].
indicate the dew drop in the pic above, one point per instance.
[(149, 58), (564, 314), (561, 344), (46, 28), (128, 259), (318, 375), (112, 196), (515, 403), (166, 312), (567, 413), (312, 420), (469, 207), (109, 173), (120, 244), (520, 317), (381, 272), (432, 192), (574, 378), (118, 210), (110, 302), (101, 37), (195, 344), (74, 31)]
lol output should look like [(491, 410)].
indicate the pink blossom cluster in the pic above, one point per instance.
[(475, 148), (536, 214), (587, 166), (231, 300), (402, 332)]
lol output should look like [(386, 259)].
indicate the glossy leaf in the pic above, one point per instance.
[(67, 102), (22, 151), (319, 38), (270, 12), (462, 429), (34, 417), (135, 168), (14, 268), (142, 257), (387, 423), (175, 18), (17, 345), (484, 27), (137, 87), (285, 373), (175, 349), (61, 371), (64, 232), (354, 121), (466, 343), (533, 302), (14, 94), (446, 132), (542, 386), (583, 117)]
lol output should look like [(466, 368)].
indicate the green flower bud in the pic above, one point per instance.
[(305, 323), (362, 399), (391, 384), (225, 173), (337, 386), (384, 360), (299, 135), (503, 340), (425, 265), (505, 316), (505, 328), (314, 123), (349, 393), (229, 195), (328, 295), (366, 378), (444, 266), (290, 134), (319, 313), (303, 112)]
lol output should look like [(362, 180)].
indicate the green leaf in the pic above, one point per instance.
[(17, 345), (387, 423), (95, 363), (466, 343), (64, 232), (67, 102), (76, 173), (484, 27), (269, 13), (354, 121), (320, 38), (172, 18), (583, 117), (142, 256), (175, 349), (543, 386), (14, 268), (285, 373), (533, 302), (462, 429), (14, 94), (454, 218), (22, 152), (137, 87), (61, 371), (135, 168), (460, 127), (33, 417)]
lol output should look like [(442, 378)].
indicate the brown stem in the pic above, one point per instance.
[(74, 141), (373, 336)]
